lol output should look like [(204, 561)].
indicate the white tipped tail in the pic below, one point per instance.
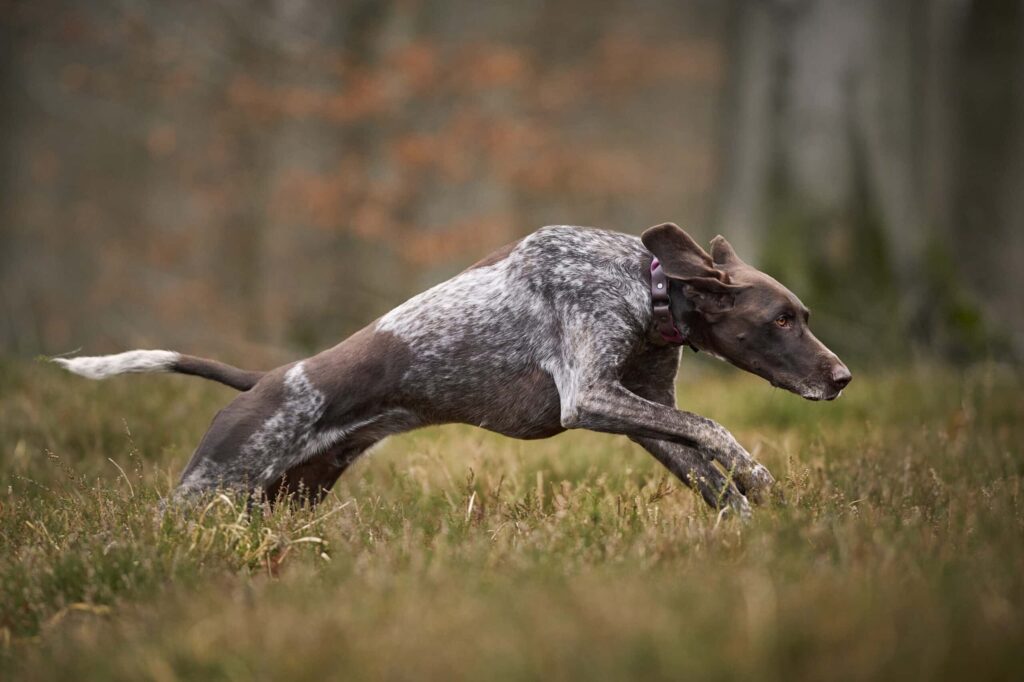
[(133, 361)]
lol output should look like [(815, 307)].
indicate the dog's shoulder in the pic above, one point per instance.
[(558, 272), (586, 273), (578, 243), (565, 244)]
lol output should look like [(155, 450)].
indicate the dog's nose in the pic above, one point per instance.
[(841, 377)]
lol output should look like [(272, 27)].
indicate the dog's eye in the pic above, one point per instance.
[(782, 321)]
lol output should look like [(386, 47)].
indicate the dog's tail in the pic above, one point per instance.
[(146, 361)]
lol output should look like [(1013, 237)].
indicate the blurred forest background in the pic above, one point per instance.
[(256, 179)]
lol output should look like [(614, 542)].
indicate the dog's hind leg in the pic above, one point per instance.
[(311, 480), (260, 435), (297, 450)]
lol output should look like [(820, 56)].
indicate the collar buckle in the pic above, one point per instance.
[(661, 307)]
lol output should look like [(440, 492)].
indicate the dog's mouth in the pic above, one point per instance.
[(809, 391), (815, 397), (817, 394)]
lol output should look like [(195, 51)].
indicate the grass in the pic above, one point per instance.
[(451, 553)]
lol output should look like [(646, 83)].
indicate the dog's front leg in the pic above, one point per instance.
[(692, 469), (654, 379), (604, 404)]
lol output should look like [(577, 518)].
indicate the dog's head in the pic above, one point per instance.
[(741, 314)]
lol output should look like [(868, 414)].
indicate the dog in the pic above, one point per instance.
[(568, 328)]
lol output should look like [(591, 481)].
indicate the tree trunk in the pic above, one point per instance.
[(853, 150)]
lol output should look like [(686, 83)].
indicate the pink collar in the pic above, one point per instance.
[(660, 303)]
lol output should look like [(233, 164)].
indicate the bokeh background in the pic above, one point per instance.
[(258, 179)]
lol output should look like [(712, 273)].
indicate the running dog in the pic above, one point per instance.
[(569, 328)]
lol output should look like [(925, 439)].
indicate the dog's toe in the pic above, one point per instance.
[(742, 507), (738, 505)]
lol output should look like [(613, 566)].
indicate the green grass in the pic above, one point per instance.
[(451, 553)]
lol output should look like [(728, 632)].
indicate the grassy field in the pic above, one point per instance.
[(894, 546)]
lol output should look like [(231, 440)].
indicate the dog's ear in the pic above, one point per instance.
[(681, 257), (723, 254), (710, 296)]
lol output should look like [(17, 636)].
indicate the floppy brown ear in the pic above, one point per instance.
[(722, 253), (709, 296), (681, 257)]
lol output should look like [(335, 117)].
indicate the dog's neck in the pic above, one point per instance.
[(688, 322), (685, 316)]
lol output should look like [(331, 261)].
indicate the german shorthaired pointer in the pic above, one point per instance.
[(569, 328)]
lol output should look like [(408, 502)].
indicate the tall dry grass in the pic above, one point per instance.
[(894, 547)]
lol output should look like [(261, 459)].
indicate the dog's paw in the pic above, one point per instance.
[(755, 482), (734, 506)]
